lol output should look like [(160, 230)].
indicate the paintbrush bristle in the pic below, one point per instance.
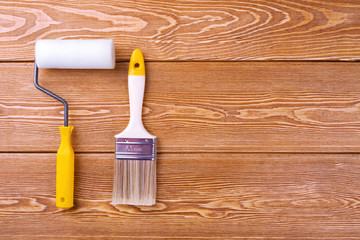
[(135, 182), (135, 171)]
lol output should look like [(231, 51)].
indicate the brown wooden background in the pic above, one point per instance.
[(256, 106)]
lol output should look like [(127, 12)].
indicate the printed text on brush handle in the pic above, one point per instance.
[(135, 149)]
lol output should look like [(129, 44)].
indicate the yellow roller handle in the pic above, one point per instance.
[(65, 170)]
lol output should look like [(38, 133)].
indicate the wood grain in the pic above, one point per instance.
[(190, 107), (249, 195), (249, 147), (183, 30)]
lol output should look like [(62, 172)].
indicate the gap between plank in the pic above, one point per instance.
[(215, 61), (195, 153)]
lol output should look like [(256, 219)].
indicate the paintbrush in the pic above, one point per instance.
[(135, 163)]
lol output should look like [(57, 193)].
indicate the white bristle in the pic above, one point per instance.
[(135, 182), (75, 54)]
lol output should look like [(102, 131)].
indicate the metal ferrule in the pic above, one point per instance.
[(135, 149)]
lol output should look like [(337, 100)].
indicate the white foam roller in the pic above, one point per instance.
[(75, 54)]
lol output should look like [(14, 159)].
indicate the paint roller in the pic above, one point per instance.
[(70, 54)]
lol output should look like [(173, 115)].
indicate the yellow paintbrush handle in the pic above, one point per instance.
[(65, 170)]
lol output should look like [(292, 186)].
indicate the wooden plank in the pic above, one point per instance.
[(199, 195), (183, 30), (190, 107)]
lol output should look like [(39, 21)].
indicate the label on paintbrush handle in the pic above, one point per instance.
[(135, 149)]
